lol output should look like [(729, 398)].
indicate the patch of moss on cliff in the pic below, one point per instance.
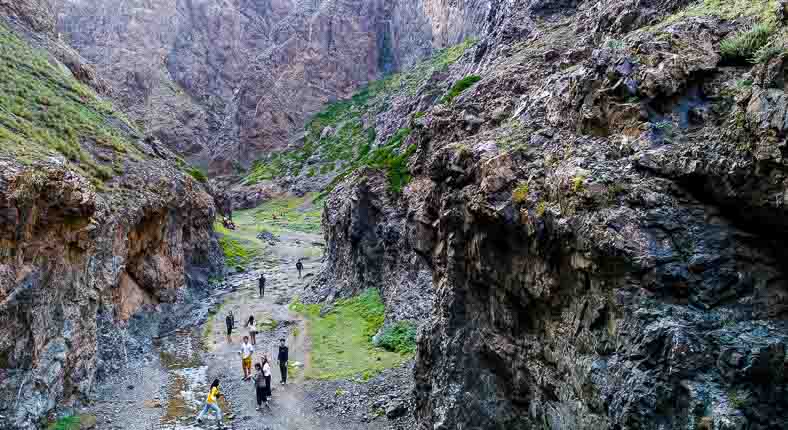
[(45, 111), (460, 86)]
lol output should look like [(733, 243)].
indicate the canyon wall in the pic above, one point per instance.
[(97, 224), (602, 215), (225, 83)]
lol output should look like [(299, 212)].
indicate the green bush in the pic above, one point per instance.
[(460, 86), (743, 47), (399, 337)]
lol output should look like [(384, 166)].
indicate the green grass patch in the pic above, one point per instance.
[(74, 422), (342, 339), (460, 86), (239, 249), (44, 111), (288, 213), (399, 337), (743, 47), (763, 10)]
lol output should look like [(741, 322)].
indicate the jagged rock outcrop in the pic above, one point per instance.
[(603, 216), (363, 228), (224, 83), (96, 225)]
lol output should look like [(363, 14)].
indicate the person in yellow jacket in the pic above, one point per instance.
[(211, 403)]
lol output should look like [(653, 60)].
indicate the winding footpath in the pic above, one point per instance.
[(168, 391)]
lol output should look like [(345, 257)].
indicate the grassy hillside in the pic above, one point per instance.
[(350, 146), (46, 112)]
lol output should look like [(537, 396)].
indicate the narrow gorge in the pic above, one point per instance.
[(510, 214)]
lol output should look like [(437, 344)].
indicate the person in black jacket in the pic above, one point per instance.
[(261, 285), (230, 321), (299, 267), (282, 358)]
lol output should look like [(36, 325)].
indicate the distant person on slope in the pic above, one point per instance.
[(261, 285), (246, 358), (282, 358), (300, 267), (252, 329), (211, 404)]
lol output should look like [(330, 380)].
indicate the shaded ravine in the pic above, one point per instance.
[(167, 392)]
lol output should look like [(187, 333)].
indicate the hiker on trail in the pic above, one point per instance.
[(230, 321), (211, 404), (252, 329), (300, 267), (260, 387), (246, 358), (282, 358), (261, 285), (267, 375)]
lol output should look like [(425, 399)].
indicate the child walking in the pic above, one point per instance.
[(211, 404)]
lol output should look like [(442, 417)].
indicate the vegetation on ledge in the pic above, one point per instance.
[(45, 111), (460, 86), (339, 137), (342, 339)]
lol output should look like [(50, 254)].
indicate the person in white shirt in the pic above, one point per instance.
[(267, 375), (246, 358)]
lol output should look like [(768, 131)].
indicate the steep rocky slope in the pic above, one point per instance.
[(602, 213), (96, 224), (227, 82)]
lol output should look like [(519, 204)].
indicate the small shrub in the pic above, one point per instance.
[(577, 184), (520, 194), (399, 337), (460, 86), (742, 47), (769, 51), (419, 114)]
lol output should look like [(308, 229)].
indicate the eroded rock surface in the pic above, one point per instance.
[(93, 232), (603, 219)]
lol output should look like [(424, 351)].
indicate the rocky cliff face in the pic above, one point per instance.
[(227, 82), (603, 217), (96, 224)]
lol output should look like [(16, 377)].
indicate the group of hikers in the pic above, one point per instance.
[(261, 377), (262, 369)]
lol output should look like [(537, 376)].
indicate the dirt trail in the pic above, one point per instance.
[(169, 390)]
